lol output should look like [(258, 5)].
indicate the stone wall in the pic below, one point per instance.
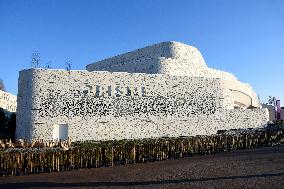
[(105, 105), (171, 58), (8, 101)]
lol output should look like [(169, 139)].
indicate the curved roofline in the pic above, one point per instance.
[(168, 46)]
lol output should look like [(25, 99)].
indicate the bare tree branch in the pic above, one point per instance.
[(35, 62), (68, 65), (2, 86)]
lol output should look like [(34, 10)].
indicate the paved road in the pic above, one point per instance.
[(257, 168)]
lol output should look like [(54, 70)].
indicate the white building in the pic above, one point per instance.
[(8, 101), (161, 90)]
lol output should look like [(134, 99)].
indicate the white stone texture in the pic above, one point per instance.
[(172, 58), (98, 105), (8, 101), (161, 90)]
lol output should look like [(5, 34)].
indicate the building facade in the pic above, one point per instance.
[(165, 90), (8, 101)]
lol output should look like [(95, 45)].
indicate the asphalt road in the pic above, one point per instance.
[(256, 168)]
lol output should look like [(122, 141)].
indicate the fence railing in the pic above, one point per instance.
[(110, 153)]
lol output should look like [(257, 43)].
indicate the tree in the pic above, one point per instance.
[(271, 100), (3, 118), (3, 122), (2, 86), (48, 65), (11, 125), (35, 62)]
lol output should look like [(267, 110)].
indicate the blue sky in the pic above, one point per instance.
[(245, 37)]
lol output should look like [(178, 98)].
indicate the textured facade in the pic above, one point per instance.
[(177, 59), (8, 101), (158, 91)]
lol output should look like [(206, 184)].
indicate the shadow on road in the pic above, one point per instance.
[(159, 182)]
